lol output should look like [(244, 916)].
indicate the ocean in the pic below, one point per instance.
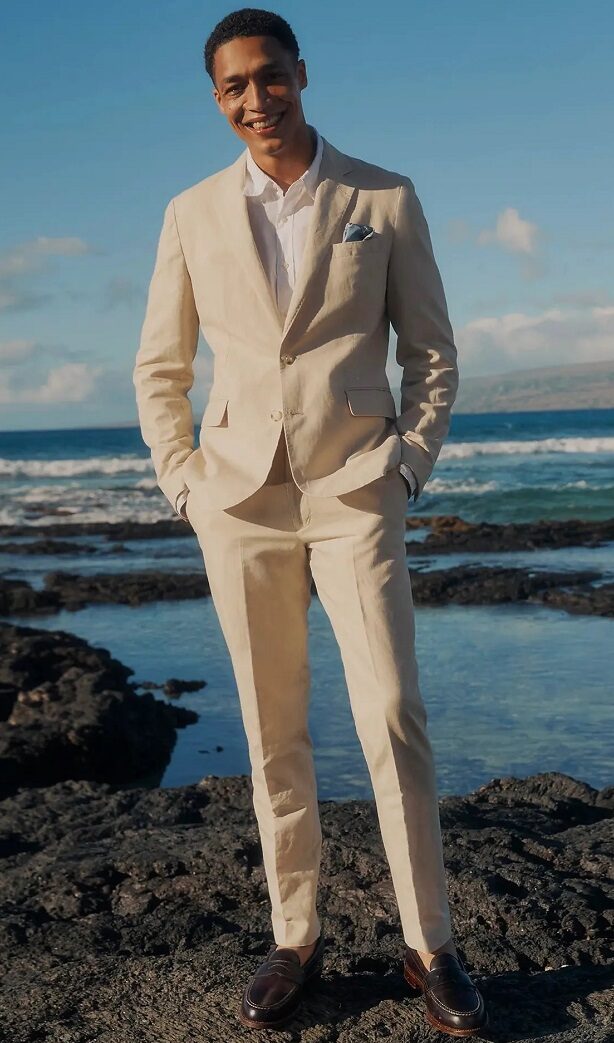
[(509, 689)]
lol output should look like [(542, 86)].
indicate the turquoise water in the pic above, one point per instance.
[(512, 691), (494, 466), (509, 689)]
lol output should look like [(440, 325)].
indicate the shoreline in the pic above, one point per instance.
[(448, 533), (585, 592)]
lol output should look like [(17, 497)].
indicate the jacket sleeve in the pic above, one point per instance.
[(417, 309), (163, 373)]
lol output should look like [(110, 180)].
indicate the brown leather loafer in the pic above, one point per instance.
[(275, 991), (453, 1003)]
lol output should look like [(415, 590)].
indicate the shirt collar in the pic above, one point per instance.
[(256, 181)]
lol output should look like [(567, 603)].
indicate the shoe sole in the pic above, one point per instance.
[(415, 984), (251, 1024)]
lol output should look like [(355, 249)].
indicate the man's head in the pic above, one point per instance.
[(252, 57)]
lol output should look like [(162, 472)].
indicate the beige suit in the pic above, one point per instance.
[(323, 370), (296, 476)]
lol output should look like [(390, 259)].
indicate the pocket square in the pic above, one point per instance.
[(353, 233)]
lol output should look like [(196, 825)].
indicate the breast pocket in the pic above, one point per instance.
[(359, 270), (360, 248)]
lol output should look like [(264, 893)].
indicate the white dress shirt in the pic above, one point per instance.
[(279, 223)]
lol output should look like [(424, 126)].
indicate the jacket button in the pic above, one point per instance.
[(276, 414), (288, 359)]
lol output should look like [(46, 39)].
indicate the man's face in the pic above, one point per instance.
[(256, 79)]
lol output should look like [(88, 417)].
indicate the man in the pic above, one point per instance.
[(293, 261)]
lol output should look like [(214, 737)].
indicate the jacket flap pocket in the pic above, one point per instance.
[(214, 411), (371, 402)]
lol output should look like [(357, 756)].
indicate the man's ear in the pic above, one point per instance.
[(301, 72)]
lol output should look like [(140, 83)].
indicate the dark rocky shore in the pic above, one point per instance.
[(137, 915), (68, 711), (448, 533), (579, 592), (134, 914), (451, 534), (586, 592)]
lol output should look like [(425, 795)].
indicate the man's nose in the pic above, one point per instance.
[(257, 97)]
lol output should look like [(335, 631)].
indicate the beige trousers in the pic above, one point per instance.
[(260, 556)]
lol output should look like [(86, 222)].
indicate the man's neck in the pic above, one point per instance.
[(285, 170)]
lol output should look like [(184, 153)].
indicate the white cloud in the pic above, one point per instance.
[(72, 382), (511, 232), (27, 256), (556, 336), (16, 350)]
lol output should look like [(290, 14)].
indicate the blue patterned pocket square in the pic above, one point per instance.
[(353, 233)]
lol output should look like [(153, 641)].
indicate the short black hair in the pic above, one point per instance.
[(249, 21)]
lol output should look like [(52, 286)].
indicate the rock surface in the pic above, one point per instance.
[(578, 592), (451, 534), (138, 915), (68, 711), (48, 547)]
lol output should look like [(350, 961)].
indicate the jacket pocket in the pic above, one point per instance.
[(371, 401), (360, 248), (215, 412)]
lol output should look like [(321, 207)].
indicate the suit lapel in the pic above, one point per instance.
[(237, 227), (331, 200)]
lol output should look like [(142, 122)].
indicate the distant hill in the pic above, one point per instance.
[(587, 385)]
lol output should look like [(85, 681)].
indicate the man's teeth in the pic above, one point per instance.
[(267, 123)]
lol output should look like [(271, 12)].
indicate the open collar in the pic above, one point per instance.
[(257, 182)]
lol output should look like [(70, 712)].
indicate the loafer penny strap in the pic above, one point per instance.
[(448, 976), (285, 968)]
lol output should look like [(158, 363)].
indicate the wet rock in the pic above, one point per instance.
[(68, 711), (583, 599), (175, 687), (69, 590), (490, 584), (451, 534), (47, 547), (126, 588), (126, 530), (579, 592), (19, 598), (138, 914)]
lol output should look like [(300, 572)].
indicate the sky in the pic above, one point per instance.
[(501, 115)]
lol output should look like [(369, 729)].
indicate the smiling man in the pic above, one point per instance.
[(294, 261)]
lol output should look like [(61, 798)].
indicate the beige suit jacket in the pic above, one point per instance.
[(321, 370)]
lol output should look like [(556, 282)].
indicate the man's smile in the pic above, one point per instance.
[(265, 126)]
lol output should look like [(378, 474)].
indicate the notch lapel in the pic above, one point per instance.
[(331, 201), (241, 239)]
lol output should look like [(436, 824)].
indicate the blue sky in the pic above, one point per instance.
[(501, 114)]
